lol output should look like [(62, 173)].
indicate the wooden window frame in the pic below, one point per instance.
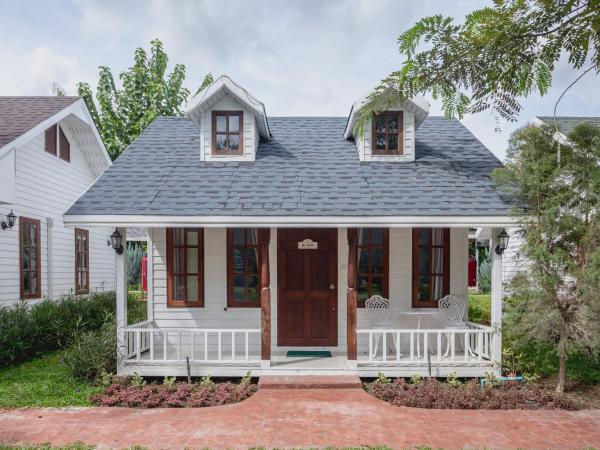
[(171, 302), (240, 133), (400, 133), (81, 290), (231, 302), (38, 258), (385, 244), (56, 142), (416, 303)]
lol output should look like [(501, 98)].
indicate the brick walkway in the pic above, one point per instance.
[(303, 418)]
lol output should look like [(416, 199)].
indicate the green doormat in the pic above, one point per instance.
[(314, 353)]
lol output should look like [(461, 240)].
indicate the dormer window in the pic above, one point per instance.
[(227, 132), (388, 133)]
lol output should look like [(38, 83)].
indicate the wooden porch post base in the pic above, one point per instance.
[(264, 237), (352, 296)]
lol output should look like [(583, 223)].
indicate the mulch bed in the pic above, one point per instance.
[(181, 395), (434, 394)]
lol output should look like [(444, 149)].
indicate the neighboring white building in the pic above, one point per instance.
[(265, 236), (50, 153)]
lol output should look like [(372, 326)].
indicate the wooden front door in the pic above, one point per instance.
[(307, 287)]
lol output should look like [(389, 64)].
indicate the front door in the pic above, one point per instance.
[(307, 287)]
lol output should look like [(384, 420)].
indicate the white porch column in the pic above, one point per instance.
[(150, 274), (496, 294), (121, 290)]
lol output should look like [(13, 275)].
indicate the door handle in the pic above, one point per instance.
[(332, 286)]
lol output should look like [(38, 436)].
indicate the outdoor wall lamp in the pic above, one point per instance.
[(116, 241), (11, 219), (502, 242)]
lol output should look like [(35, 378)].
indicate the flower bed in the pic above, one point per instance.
[(176, 395), (438, 395)]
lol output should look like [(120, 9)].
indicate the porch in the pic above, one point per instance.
[(218, 339)]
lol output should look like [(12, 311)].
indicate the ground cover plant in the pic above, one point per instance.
[(172, 394), (480, 308), (454, 394), (43, 382)]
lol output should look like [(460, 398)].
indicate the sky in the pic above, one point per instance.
[(299, 57)]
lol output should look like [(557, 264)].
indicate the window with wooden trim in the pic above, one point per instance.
[(372, 268), (185, 267), (431, 266), (82, 261), (30, 258), (243, 286), (227, 132), (388, 133), (56, 142)]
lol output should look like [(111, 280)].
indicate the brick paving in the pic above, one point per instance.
[(303, 418)]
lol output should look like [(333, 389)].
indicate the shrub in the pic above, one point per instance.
[(93, 353), (177, 395), (27, 331), (480, 308), (437, 395)]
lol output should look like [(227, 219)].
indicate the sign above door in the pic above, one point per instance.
[(308, 244)]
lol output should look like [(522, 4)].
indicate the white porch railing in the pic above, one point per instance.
[(442, 346), (144, 342)]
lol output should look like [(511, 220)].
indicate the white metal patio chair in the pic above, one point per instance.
[(379, 310), (452, 313)]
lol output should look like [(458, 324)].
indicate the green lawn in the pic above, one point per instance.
[(480, 308), (44, 381)]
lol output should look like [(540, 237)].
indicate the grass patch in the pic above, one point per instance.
[(480, 308), (44, 381)]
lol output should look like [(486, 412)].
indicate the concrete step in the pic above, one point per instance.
[(309, 382)]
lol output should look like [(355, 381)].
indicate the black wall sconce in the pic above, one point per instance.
[(11, 219), (116, 241), (502, 242)]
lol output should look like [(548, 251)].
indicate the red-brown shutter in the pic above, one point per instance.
[(64, 147), (50, 140)]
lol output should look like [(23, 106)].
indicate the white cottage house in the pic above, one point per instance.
[(267, 234), (50, 153)]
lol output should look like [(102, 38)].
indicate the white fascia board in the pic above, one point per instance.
[(288, 221), (77, 108), (558, 136)]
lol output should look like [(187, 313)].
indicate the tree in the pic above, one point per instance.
[(554, 300), (122, 113), (497, 55)]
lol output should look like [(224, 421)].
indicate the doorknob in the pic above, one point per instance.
[(332, 286)]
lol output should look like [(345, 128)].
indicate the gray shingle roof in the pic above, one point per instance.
[(566, 124), (20, 114), (306, 168)]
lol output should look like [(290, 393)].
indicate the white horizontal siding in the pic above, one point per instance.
[(45, 187)]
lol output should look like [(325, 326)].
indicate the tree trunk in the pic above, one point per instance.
[(562, 365)]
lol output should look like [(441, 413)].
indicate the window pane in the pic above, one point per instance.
[(26, 285), (178, 260), (179, 288), (238, 260), (380, 141), (363, 287), (252, 264), (437, 236), (393, 124), (380, 123), (438, 287), (178, 236), (239, 293), (424, 260), (192, 237), (192, 288), (393, 142), (34, 285), (221, 123), (251, 238), (376, 285), (423, 236), (252, 291), (363, 238), (26, 234), (26, 260), (377, 260), (239, 236), (221, 141), (233, 142), (234, 124), (438, 260), (423, 289), (377, 235), (363, 260), (192, 259)]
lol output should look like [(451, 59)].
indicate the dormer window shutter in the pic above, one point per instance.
[(50, 140)]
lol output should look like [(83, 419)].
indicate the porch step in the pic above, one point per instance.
[(309, 382)]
